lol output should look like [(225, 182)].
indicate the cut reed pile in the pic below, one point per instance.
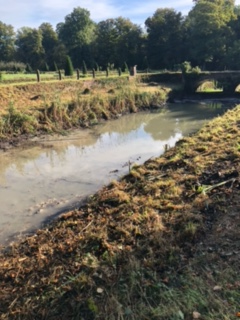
[(161, 243)]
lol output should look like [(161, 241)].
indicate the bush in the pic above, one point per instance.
[(68, 67), (196, 70), (55, 66), (28, 68), (12, 66), (186, 67), (125, 67), (96, 66), (84, 68)]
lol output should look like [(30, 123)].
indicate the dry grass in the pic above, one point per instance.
[(54, 107), (162, 243)]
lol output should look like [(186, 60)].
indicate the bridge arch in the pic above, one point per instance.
[(228, 80)]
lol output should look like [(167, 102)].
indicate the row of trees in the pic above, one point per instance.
[(209, 36)]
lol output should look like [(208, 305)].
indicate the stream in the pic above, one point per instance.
[(55, 174)]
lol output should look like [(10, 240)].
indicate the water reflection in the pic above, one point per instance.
[(58, 172)]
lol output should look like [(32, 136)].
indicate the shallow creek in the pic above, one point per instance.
[(58, 172)]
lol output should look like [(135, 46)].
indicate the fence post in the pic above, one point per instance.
[(38, 76), (78, 74), (59, 75)]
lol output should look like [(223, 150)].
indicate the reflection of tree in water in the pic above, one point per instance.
[(55, 149), (123, 130), (181, 120), (127, 123)]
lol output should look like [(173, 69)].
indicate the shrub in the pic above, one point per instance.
[(84, 68), (68, 67), (196, 70), (186, 67), (125, 67), (96, 66), (55, 66), (28, 68), (13, 66)]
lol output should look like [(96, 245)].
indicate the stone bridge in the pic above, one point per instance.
[(227, 80)]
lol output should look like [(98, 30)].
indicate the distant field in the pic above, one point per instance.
[(13, 78)]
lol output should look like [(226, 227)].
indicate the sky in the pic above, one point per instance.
[(31, 13)]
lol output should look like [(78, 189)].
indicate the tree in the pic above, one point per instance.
[(118, 40), (209, 32), (68, 67), (49, 42), (59, 56), (7, 42), (77, 34), (29, 47), (164, 42)]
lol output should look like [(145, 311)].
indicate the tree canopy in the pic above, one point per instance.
[(208, 36)]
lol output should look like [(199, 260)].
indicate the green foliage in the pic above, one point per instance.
[(209, 34), (186, 67), (68, 67), (55, 66), (165, 38), (77, 33), (29, 44), (28, 68), (118, 40), (125, 67), (46, 67), (196, 70), (13, 66), (96, 66), (49, 42), (17, 122), (7, 42)]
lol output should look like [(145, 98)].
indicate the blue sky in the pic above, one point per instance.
[(32, 13)]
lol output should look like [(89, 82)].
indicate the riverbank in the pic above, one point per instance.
[(161, 243), (43, 108)]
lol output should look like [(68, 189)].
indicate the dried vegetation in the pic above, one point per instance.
[(57, 106)]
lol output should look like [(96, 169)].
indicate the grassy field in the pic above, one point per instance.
[(13, 78), (160, 244)]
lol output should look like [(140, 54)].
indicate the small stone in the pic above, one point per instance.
[(196, 315), (217, 288), (99, 290)]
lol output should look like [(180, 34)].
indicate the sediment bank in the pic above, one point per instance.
[(161, 243)]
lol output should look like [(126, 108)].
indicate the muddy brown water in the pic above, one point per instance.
[(58, 172)]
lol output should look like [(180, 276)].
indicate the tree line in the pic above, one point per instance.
[(208, 37)]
